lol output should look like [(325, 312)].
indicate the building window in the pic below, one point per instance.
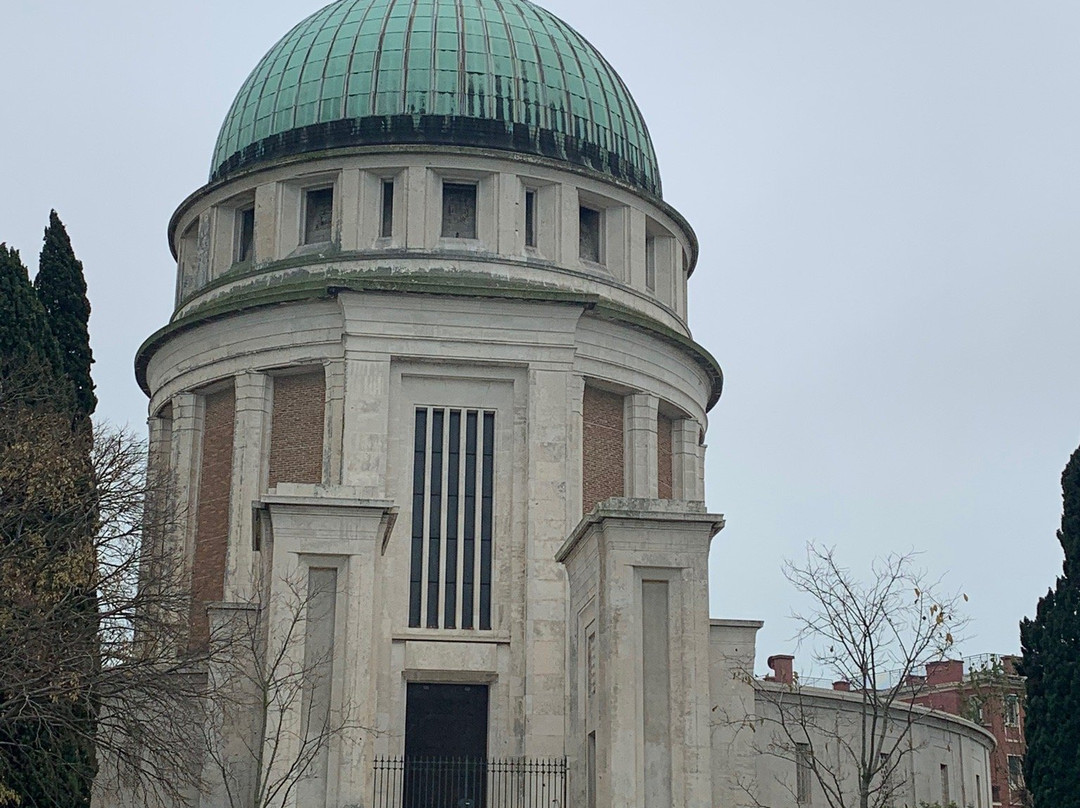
[(978, 792), (245, 234), (530, 218), (804, 766), (589, 247), (318, 215), (452, 517), (944, 784), (1016, 772), (386, 228), (650, 263), (1012, 710), (995, 793), (888, 781), (459, 210)]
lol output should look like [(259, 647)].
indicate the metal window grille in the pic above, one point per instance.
[(452, 516), (467, 783)]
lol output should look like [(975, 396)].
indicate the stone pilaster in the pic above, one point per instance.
[(335, 421), (641, 466), (686, 438), (545, 587), (330, 529), (349, 199), (365, 437), (641, 567), (188, 414), (250, 449), (266, 223)]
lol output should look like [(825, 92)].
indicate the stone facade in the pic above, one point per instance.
[(419, 460)]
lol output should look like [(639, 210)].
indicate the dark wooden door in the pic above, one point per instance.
[(446, 729)]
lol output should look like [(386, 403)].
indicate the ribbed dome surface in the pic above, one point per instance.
[(502, 74)]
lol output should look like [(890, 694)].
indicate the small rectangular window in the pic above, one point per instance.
[(318, 215), (591, 773), (589, 234), (888, 782), (944, 784), (1016, 772), (386, 230), (245, 234), (650, 263), (530, 218), (978, 792), (459, 210), (1012, 710), (453, 484), (804, 765)]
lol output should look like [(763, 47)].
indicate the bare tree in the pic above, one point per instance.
[(87, 579), (875, 639)]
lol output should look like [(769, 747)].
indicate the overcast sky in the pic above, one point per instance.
[(887, 196)]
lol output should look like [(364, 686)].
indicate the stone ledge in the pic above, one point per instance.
[(641, 510)]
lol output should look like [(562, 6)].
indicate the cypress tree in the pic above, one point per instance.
[(1051, 662), (26, 341), (47, 583), (61, 287)]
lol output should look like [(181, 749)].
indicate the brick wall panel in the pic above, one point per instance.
[(664, 439), (212, 511), (297, 428), (603, 449)]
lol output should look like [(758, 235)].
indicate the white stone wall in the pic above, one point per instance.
[(416, 247)]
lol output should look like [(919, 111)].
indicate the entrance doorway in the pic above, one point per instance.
[(446, 728)]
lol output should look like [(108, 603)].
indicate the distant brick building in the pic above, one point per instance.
[(990, 693)]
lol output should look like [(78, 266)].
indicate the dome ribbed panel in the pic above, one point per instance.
[(503, 74)]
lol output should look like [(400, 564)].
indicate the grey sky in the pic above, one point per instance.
[(887, 196)]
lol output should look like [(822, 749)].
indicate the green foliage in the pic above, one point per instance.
[(26, 342), (923, 804), (61, 287), (48, 608), (1051, 663)]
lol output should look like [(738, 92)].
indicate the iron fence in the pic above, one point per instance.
[(469, 783)]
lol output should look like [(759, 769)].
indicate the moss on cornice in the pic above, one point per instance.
[(324, 286)]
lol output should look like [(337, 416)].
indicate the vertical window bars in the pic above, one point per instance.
[(452, 516)]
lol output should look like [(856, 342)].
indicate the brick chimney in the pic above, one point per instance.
[(783, 668), (947, 671), (843, 685)]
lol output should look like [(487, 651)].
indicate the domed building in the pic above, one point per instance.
[(436, 421)]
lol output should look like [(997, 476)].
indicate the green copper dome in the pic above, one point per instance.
[(502, 74)]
